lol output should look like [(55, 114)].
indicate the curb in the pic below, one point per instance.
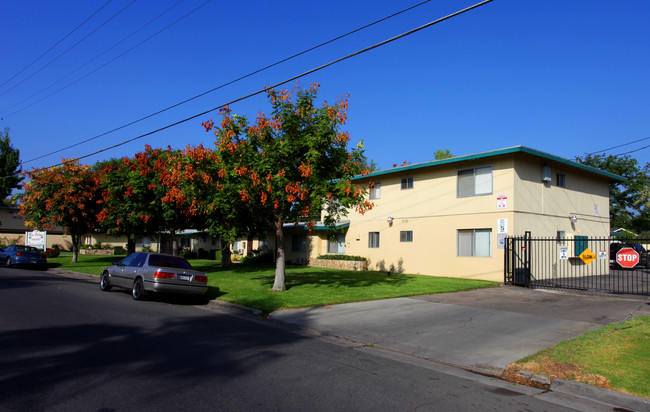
[(235, 309), (606, 396)]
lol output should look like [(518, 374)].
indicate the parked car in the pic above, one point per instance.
[(19, 255), (644, 257), (144, 272)]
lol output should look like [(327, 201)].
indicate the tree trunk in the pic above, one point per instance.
[(75, 247), (172, 235), (225, 253), (279, 284), (130, 245)]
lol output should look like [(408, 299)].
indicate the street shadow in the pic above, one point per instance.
[(36, 363)]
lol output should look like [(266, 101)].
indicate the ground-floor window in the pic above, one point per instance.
[(336, 245), (299, 243), (475, 242), (373, 239)]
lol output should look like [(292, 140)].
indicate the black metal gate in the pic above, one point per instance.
[(579, 263)]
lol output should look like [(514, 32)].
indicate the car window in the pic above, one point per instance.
[(169, 262), (127, 260), (139, 260)]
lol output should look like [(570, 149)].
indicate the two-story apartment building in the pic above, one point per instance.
[(450, 217)]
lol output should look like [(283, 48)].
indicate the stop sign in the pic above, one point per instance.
[(627, 257)]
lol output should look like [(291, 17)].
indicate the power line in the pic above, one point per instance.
[(84, 65), (55, 44), (68, 49), (227, 83), (620, 145), (316, 69), (632, 151)]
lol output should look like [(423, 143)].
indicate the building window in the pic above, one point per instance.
[(407, 183), (474, 182), (475, 242), (560, 180), (299, 243), (336, 245), (375, 191), (580, 244), (406, 236), (561, 237), (373, 239)]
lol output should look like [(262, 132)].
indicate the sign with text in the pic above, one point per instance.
[(36, 239)]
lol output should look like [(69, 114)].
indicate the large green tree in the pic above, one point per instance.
[(10, 169), (291, 166), (64, 196), (627, 207)]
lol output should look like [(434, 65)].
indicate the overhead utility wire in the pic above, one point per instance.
[(68, 49), (227, 83), (620, 145), (55, 44), (112, 60), (88, 62), (417, 29), (632, 151)]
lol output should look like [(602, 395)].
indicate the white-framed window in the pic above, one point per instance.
[(475, 242), (299, 243), (373, 240), (406, 236), (336, 245), (407, 183), (375, 191), (560, 180), (475, 181)]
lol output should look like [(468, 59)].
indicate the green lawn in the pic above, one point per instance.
[(607, 357), (250, 284)]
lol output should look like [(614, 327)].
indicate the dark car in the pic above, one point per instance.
[(644, 258), (19, 255), (144, 272)]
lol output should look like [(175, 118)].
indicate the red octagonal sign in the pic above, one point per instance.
[(627, 257)]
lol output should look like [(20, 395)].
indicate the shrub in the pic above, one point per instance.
[(342, 257), (266, 257), (119, 250), (52, 253)]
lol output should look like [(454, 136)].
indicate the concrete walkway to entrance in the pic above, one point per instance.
[(480, 329)]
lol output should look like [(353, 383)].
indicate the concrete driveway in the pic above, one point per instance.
[(480, 329)]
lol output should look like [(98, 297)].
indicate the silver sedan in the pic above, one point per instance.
[(154, 272)]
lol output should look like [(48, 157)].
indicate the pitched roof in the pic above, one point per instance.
[(515, 149)]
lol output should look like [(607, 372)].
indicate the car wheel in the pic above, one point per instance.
[(138, 291), (105, 282), (8, 262)]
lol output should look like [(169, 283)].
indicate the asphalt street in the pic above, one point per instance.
[(67, 346)]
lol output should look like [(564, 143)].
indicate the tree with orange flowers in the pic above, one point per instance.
[(133, 193), (291, 166), (64, 196)]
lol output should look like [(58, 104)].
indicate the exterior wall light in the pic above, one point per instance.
[(574, 218), (390, 219)]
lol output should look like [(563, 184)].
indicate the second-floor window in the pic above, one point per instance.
[(407, 183), (560, 180), (475, 182), (375, 191)]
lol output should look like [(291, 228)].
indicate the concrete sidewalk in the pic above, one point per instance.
[(481, 329)]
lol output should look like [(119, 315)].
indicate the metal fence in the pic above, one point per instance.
[(579, 263)]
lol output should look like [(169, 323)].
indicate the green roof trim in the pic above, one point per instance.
[(339, 226), (500, 152)]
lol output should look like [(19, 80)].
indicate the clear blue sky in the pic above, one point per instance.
[(564, 77)]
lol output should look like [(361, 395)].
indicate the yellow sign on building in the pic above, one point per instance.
[(587, 256)]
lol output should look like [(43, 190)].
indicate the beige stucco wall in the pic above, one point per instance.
[(434, 213)]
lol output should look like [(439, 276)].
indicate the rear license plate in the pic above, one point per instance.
[(184, 277), (33, 261)]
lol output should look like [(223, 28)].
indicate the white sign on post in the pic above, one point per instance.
[(502, 201), (36, 239), (502, 225), (564, 252)]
